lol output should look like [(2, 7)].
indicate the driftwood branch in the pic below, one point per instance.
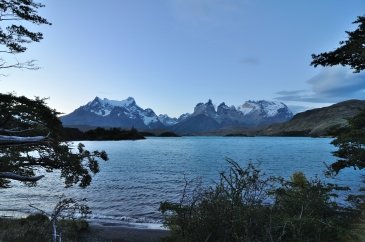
[(13, 176)]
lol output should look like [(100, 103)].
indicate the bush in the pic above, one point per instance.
[(33, 228), (247, 206), (306, 211), (37, 228)]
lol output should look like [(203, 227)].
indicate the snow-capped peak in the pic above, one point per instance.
[(126, 113), (126, 108), (269, 108), (103, 107), (124, 103)]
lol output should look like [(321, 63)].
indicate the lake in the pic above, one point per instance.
[(141, 174)]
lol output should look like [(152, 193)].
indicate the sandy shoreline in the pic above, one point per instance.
[(121, 233)]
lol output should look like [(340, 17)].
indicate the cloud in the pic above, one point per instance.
[(329, 86), (252, 61), (287, 93)]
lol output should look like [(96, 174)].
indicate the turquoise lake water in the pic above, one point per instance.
[(141, 174)]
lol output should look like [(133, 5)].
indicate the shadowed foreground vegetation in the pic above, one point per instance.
[(38, 228), (246, 205)]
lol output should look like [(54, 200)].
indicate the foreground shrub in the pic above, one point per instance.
[(32, 228), (306, 211), (38, 228), (248, 206)]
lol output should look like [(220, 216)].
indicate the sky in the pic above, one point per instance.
[(172, 54)]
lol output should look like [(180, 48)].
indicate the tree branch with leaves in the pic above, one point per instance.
[(350, 53), (31, 139), (350, 140), (15, 34)]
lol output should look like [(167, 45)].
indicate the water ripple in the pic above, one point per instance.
[(140, 175)]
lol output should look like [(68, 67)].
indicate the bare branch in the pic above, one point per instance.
[(40, 210), (7, 52), (29, 65)]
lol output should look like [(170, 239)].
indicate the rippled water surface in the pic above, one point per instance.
[(141, 174)]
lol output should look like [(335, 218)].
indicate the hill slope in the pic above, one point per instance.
[(319, 121)]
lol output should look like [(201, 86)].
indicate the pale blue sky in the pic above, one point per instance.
[(171, 54)]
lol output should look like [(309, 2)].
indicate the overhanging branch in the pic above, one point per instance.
[(16, 130), (13, 176), (20, 139), (6, 140)]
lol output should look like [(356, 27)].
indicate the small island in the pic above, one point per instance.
[(168, 134)]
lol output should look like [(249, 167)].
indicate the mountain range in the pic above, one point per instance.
[(204, 119)]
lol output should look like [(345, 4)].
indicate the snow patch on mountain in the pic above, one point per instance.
[(128, 107), (149, 116), (269, 109), (272, 108), (103, 107), (149, 120), (247, 108), (127, 114), (183, 117), (114, 103), (166, 120)]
